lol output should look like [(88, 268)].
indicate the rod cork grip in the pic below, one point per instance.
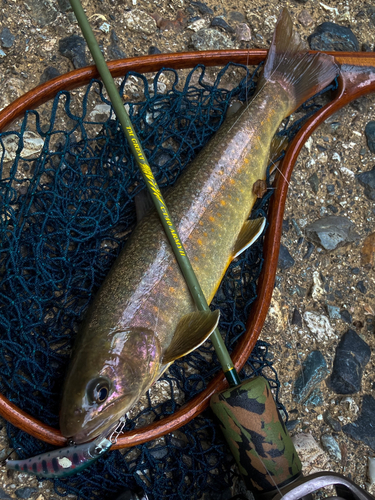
[(257, 437)]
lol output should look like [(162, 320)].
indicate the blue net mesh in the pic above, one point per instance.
[(65, 214)]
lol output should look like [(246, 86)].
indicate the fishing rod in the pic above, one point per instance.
[(261, 474)]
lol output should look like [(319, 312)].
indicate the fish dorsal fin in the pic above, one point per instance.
[(249, 233), (192, 330)]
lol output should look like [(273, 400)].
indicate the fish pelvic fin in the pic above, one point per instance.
[(289, 63), (249, 233), (192, 330)]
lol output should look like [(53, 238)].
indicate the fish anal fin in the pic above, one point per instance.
[(278, 144), (249, 233), (192, 330)]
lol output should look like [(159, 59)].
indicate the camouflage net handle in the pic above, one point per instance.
[(257, 436)]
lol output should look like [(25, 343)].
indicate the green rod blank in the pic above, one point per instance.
[(169, 227)]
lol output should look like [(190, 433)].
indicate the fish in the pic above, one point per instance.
[(143, 317)]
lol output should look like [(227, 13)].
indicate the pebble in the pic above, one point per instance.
[(329, 420), (198, 25), (371, 470), (313, 180), (309, 251), (297, 318), (330, 444), (319, 325), (210, 39), (100, 113), (292, 424), (367, 180), (314, 370), (361, 287), (317, 290), (331, 232), (48, 74), (315, 398), (370, 136), (346, 316), (220, 23), (6, 38), (2, 53), (153, 50), (368, 251), (74, 48), (285, 259), (139, 20), (237, 17), (42, 11), (25, 492), (333, 312), (331, 36), (363, 428), (243, 32), (305, 19), (352, 355), (307, 448), (32, 145), (202, 8)]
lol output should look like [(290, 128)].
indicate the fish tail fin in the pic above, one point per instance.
[(289, 63)]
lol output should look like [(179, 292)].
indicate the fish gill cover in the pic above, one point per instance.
[(64, 217)]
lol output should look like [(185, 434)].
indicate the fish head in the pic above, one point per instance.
[(105, 380)]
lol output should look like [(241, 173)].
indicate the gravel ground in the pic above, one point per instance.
[(323, 183)]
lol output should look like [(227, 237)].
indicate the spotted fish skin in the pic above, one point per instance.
[(142, 318), (62, 462)]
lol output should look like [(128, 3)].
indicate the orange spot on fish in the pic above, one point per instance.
[(200, 223), (204, 234), (246, 160), (219, 214), (200, 242), (196, 258), (211, 218), (222, 202), (172, 289), (232, 181)]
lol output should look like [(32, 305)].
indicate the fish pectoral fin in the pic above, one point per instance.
[(249, 233), (192, 330)]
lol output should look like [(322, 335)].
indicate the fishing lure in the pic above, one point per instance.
[(64, 461)]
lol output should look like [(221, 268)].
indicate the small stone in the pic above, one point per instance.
[(319, 326), (330, 188), (210, 39), (42, 11), (74, 48), (292, 424), (346, 316), (114, 52), (329, 420), (309, 251), (64, 5), (220, 23), (48, 74), (317, 290), (6, 38), (285, 259), (361, 287), (366, 47), (330, 444), (368, 251), (100, 113), (286, 226), (4, 495), (361, 104), (367, 180), (297, 318), (25, 492), (352, 355), (370, 135), (32, 145), (105, 27), (153, 50), (371, 470), (304, 18), (198, 24), (243, 32), (363, 429), (307, 448), (314, 370), (138, 20), (333, 312), (236, 17), (202, 8), (333, 37), (331, 232), (333, 209), (313, 180)]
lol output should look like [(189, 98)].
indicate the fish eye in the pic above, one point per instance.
[(98, 390)]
